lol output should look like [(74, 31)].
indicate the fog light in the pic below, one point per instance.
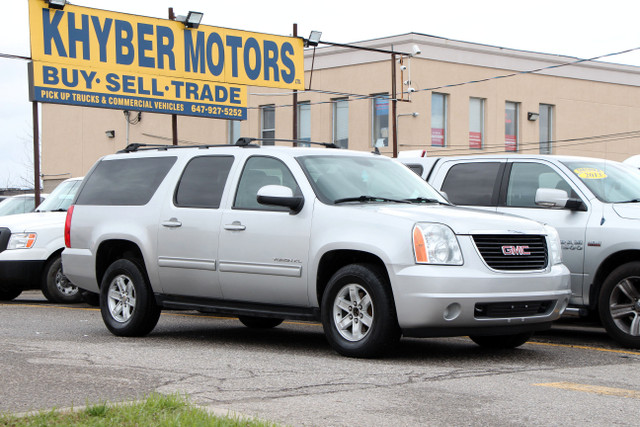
[(452, 311)]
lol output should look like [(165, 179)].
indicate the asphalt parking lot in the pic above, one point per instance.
[(63, 356)]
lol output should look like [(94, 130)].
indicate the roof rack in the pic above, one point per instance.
[(246, 140), (160, 147), (240, 142)]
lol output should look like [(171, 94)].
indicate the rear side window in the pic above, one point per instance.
[(127, 182), (202, 182), (474, 184)]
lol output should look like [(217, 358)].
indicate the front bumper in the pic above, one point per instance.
[(453, 301), (21, 274)]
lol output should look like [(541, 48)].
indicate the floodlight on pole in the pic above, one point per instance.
[(192, 20), (56, 4), (314, 39)]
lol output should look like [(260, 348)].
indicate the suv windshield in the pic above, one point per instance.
[(16, 205), (60, 199), (341, 179), (610, 182)]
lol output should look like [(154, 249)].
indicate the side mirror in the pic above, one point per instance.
[(554, 198), (279, 195)]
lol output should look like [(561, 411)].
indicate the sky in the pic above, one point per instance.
[(582, 29)]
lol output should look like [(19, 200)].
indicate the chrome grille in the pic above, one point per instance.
[(513, 252)]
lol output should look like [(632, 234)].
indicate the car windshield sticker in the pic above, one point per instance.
[(590, 173)]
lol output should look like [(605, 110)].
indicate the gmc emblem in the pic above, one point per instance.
[(515, 250)]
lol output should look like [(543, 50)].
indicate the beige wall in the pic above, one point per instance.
[(589, 100)]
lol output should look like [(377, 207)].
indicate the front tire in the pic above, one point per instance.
[(358, 312), (501, 342), (619, 304), (126, 302), (55, 285)]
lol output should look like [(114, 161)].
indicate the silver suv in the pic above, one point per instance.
[(353, 239)]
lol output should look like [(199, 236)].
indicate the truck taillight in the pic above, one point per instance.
[(67, 227)]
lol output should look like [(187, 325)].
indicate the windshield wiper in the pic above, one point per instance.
[(425, 200), (630, 201), (368, 199)]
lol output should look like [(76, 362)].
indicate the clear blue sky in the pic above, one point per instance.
[(569, 27)]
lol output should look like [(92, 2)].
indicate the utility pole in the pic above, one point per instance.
[(295, 101), (174, 117), (36, 154)]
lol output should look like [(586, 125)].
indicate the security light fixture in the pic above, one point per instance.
[(532, 117), (314, 39), (192, 20), (110, 133), (56, 4)]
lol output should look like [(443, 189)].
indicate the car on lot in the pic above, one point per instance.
[(352, 239), (30, 248), (593, 203), (18, 204)]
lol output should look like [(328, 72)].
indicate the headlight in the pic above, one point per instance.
[(22, 240), (435, 244), (555, 248)]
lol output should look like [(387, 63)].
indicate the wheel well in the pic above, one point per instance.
[(112, 250), (608, 265), (43, 272), (335, 260)]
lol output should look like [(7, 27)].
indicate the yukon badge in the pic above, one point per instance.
[(515, 250)]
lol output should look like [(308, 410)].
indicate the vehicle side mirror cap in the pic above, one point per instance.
[(554, 198), (279, 195), (551, 198)]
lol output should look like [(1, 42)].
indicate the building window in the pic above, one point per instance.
[(234, 131), (439, 103), (380, 121), (476, 123), (546, 129), (341, 122), (511, 128), (304, 123), (268, 123)]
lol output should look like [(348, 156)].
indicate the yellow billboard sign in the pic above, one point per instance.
[(123, 58)]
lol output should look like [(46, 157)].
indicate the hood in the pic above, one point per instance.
[(460, 220), (33, 221), (627, 210)]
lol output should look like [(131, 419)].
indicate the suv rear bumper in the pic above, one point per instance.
[(449, 300)]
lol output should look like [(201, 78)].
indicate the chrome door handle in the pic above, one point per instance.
[(235, 226), (172, 223)]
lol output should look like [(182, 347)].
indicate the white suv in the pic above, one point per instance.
[(353, 239), (30, 248)]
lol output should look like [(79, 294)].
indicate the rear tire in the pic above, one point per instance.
[(498, 342), (259, 322), (127, 304), (619, 304), (358, 312), (55, 285), (9, 294)]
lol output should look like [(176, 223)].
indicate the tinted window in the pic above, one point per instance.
[(128, 182), (526, 178), (202, 182), (258, 172), (418, 169), (472, 183)]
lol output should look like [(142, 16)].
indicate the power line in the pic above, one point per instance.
[(560, 143)]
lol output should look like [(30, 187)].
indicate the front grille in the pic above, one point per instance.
[(513, 252), (5, 233), (512, 309)]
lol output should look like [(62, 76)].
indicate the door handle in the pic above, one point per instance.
[(172, 223), (235, 226)]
